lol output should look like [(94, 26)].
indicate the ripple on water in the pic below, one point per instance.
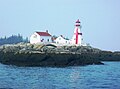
[(84, 77)]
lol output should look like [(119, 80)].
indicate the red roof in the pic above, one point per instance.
[(78, 21), (43, 33)]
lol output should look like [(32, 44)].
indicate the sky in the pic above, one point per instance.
[(100, 19)]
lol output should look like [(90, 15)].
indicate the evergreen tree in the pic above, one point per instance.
[(12, 39)]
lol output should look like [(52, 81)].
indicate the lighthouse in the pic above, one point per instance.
[(77, 36)]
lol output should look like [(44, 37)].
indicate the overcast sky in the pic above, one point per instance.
[(100, 19)]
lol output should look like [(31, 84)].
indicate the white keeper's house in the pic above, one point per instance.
[(40, 37)]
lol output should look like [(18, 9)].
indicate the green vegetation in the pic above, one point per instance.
[(12, 39)]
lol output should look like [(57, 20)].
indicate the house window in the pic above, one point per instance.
[(34, 36), (59, 38), (42, 40), (48, 40)]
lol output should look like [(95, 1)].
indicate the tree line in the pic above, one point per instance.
[(13, 39)]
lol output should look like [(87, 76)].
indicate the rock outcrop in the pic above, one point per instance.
[(25, 54)]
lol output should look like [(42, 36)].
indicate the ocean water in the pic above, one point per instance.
[(83, 77)]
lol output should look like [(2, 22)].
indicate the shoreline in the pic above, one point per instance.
[(24, 54)]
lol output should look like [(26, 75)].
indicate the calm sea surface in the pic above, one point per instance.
[(86, 77)]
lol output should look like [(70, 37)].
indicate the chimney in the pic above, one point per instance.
[(47, 31), (61, 35)]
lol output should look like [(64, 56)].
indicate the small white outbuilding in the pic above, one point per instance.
[(40, 37), (62, 40)]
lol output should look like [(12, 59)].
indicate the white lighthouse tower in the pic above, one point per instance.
[(77, 37)]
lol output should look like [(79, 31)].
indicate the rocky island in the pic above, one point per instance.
[(26, 54)]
